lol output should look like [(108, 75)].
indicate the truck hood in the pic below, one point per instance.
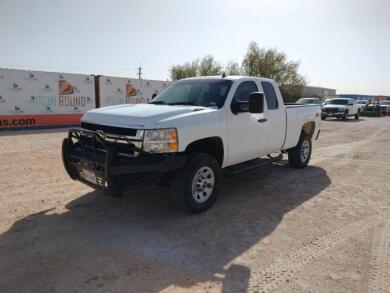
[(136, 116), (334, 106)]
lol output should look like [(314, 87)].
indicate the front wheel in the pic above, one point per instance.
[(299, 156), (195, 189)]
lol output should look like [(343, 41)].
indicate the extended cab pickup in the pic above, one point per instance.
[(190, 134)]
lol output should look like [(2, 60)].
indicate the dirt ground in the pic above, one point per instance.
[(322, 229)]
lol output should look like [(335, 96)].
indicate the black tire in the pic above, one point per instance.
[(357, 115), (66, 143), (345, 117), (294, 155), (181, 186), (323, 117)]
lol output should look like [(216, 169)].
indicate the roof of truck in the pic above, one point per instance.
[(228, 77)]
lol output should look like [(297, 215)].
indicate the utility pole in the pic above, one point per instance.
[(139, 73)]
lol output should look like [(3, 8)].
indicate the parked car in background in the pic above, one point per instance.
[(309, 101), (385, 107), (340, 108), (363, 104)]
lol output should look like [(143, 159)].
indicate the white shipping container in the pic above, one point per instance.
[(33, 98), (34, 92)]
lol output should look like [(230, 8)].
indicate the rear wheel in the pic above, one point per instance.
[(323, 117), (299, 156), (195, 188), (357, 115)]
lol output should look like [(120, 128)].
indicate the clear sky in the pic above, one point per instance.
[(342, 44)]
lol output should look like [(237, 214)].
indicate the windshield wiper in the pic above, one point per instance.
[(185, 103), (158, 103)]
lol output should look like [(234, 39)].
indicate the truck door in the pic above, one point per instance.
[(276, 116), (248, 134), (354, 108)]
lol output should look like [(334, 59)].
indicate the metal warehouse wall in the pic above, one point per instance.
[(323, 93)]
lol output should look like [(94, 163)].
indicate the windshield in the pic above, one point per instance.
[(360, 102), (385, 103), (198, 92), (337, 102), (307, 101)]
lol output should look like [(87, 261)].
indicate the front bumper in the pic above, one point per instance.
[(111, 164), (333, 114), (385, 110)]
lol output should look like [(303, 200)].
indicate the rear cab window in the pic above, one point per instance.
[(270, 95)]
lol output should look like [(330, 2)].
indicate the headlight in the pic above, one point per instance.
[(160, 140)]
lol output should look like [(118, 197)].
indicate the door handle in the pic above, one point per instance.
[(262, 120)]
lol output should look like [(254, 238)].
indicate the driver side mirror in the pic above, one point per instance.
[(256, 102)]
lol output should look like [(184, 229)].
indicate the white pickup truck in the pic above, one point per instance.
[(188, 136), (340, 108)]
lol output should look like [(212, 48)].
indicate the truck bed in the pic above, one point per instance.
[(297, 115)]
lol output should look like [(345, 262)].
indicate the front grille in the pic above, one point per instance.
[(121, 146), (331, 110), (109, 129)]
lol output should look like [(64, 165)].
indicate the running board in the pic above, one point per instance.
[(250, 165)]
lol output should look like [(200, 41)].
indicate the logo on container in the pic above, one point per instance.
[(65, 88), (48, 109), (118, 91), (131, 91), (15, 87), (67, 97), (108, 81), (75, 109), (30, 77), (46, 88), (17, 110), (87, 80), (2, 99)]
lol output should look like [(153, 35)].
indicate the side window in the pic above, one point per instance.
[(244, 90), (270, 95)]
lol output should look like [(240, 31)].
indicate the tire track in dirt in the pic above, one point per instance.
[(379, 279), (286, 266), (346, 149)]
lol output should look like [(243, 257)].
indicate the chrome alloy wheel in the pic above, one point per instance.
[(305, 150), (203, 184)]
